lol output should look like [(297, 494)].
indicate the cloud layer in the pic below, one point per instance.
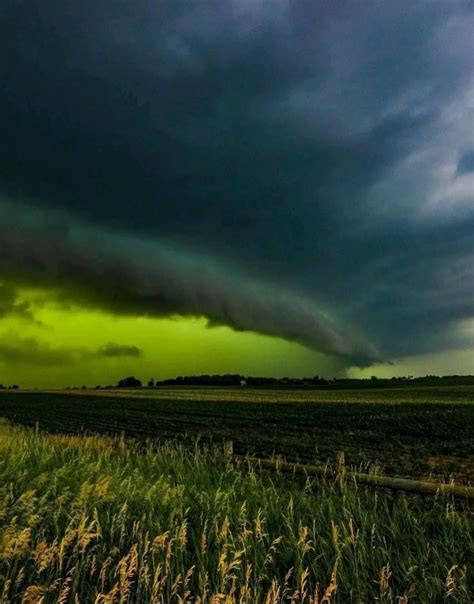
[(30, 351), (130, 276), (185, 157)]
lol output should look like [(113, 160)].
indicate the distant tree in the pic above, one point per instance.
[(151, 383), (129, 382)]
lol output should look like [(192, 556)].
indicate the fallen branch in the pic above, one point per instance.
[(374, 480)]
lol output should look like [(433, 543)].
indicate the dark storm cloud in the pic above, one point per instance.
[(305, 143), (29, 351), (15, 350), (131, 276), (113, 350), (10, 305)]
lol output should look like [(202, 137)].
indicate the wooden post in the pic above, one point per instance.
[(228, 449)]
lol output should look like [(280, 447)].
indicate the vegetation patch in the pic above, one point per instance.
[(419, 432), (96, 519)]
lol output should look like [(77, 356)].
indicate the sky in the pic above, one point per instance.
[(265, 187)]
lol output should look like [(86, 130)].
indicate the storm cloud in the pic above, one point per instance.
[(113, 350), (10, 305), (15, 350), (29, 351), (301, 169), (130, 276)]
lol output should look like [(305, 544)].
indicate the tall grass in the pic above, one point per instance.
[(91, 519)]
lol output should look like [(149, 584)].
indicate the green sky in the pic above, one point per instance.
[(52, 345), (45, 343)]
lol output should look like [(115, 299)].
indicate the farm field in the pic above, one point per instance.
[(413, 432), (92, 519)]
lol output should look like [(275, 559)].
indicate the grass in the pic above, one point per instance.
[(103, 520), (404, 431)]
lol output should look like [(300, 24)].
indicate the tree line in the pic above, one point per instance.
[(236, 379)]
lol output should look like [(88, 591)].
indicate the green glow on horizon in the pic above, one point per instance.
[(170, 347)]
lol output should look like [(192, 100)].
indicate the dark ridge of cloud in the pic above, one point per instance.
[(415, 295), (466, 162), (30, 351), (11, 306), (132, 277), (114, 350)]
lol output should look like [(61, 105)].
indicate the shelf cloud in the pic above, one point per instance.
[(303, 171), (128, 276)]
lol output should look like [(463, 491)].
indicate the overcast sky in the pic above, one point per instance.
[(299, 169)]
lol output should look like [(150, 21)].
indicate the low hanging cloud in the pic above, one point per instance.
[(10, 305), (113, 350), (30, 351), (128, 276)]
